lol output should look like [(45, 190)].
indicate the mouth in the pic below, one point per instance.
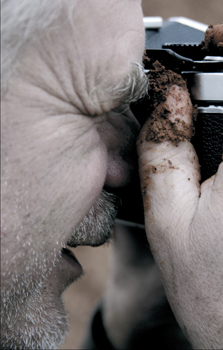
[(68, 255), (94, 230), (71, 261), (69, 265)]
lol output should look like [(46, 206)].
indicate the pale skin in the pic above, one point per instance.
[(183, 222), (184, 226), (55, 130), (62, 145)]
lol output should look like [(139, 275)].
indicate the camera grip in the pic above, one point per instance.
[(208, 142)]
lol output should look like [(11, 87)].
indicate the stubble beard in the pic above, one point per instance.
[(27, 324), (95, 229)]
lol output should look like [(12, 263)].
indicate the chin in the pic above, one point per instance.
[(37, 323), (36, 318)]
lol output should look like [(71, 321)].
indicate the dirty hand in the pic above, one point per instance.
[(184, 221)]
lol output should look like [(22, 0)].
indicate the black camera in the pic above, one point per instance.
[(176, 44)]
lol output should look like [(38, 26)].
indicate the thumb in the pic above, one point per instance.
[(183, 221), (169, 172)]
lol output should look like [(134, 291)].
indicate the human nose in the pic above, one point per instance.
[(119, 133)]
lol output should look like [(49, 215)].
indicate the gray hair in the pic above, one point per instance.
[(23, 21), (133, 87)]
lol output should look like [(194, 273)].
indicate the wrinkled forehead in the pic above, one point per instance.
[(110, 31), (97, 33), (92, 49), (108, 38), (88, 49)]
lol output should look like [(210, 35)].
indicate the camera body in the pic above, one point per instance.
[(176, 44)]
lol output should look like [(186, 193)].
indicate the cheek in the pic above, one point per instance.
[(50, 188), (40, 216), (71, 187)]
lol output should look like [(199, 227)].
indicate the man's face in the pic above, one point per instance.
[(62, 143)]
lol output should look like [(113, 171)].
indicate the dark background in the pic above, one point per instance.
[(81, 297)]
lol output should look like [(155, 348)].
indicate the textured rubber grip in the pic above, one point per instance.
[(208, 142)]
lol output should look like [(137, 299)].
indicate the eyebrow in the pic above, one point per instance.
[(129, 89), (133, 87)]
